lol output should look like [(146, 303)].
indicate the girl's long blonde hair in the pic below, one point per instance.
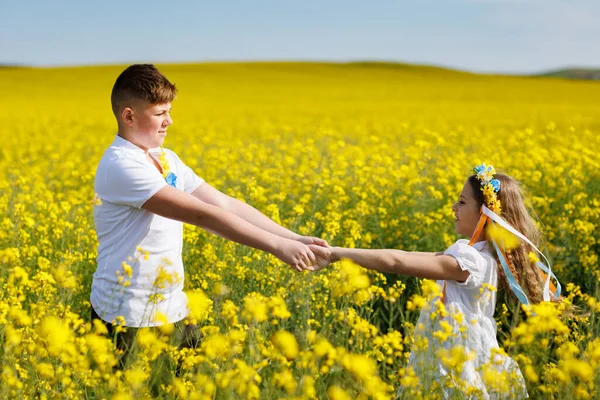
[(515, 212)]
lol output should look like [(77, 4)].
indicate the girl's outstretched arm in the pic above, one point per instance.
[(422, 265)]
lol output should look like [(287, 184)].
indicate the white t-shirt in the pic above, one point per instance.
[(150, 244)]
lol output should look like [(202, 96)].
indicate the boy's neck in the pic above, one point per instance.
[(125, 137)]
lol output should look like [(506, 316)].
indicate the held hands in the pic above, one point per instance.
[(324, 256), (299, 255), (296, 254), (305, 253), (320, 249)]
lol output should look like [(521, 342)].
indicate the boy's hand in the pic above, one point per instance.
[(324, 256), (296, 254), (308, 240)]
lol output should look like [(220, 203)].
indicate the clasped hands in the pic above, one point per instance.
[(305, 253)]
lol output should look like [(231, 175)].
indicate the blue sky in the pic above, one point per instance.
[(476, 35)]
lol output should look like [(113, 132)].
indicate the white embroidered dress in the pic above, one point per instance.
[(469, 326)]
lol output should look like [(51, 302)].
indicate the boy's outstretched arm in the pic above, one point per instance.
[(210, 195), (423, 265), (175, 204)]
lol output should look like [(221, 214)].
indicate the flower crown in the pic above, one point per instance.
[(489, 186)]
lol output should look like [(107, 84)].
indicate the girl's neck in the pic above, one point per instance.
[(480, 238)]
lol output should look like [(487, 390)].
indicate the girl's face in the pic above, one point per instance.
[(466, 210)]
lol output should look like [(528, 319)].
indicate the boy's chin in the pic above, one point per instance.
[(159, 142)]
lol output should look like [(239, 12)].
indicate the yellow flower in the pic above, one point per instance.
[(530, 374), (360, 366), (163, 323), (199, 306), (56, 334), (285, 379), (533, 258), (286, 343), (121, 396), (229, 311), (278, 307), (444, 333), (579, 369), (127, 269), (337, 393), (216, 346), (101, 351), (455, 358), (256, 307), (349, 277), (503, 238), (136, 377), (45, 370)]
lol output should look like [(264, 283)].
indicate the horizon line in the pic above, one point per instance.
[(291, 61)]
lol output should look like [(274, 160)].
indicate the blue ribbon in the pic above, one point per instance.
[(546, 292), (551, 274), (512, 281)]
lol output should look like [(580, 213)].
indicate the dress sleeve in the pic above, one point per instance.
[(469, 259), (129, 182)]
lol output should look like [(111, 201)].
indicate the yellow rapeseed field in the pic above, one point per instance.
[(368, 155)]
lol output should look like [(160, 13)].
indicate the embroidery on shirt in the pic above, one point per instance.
[(169, 176)]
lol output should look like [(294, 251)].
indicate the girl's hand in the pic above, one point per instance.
[(324, 256)]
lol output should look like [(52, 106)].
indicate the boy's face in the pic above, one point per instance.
[(466, 211), (149, 123)]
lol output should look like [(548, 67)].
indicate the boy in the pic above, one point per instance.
[(146, 193)]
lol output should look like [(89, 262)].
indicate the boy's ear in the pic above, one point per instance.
[(127, 116)]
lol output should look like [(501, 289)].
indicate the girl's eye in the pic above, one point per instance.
[(461, 202)]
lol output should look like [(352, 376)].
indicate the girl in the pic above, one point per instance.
[(456, 352)]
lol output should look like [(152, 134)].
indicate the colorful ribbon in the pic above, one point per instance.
[(549, 288), (507, 267)]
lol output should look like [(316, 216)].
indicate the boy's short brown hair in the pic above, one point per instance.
[(141, 82)]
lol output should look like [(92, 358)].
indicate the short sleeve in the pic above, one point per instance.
[(129, 182), (191, 181), (469, 259)]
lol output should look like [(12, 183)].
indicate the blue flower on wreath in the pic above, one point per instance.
[(495, 184), (480, 168), (171, 179)]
